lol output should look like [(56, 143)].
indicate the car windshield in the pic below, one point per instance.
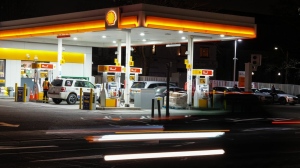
[(138, 85)]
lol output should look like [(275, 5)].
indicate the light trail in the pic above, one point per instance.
[(163, 155), (153, 136)]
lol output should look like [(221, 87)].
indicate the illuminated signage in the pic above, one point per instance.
[(109, 68), (203, 72), (63, 35), (112, 18), (136, 70), (42, 66)]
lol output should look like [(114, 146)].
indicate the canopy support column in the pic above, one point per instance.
[(190, 57), (59, 57), (127, 67)]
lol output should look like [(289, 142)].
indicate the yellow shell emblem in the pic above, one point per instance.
[(111, 17)]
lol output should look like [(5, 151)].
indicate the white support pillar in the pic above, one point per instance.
[(127, 66), (59, 57), (119, 58), (189, 71), (197, 90)]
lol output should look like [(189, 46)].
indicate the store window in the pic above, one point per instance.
[(204, 52), (26, 70)]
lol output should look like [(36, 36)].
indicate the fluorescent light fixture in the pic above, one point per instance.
[(142, 34), (222, 35), (183, 38), (173, 45), (163, 155), (114, 41), (180, 31), (158, 136), (75, 38), (144, 39), (103, 36)]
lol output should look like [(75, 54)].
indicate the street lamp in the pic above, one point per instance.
[(234, 59), (287, 58)]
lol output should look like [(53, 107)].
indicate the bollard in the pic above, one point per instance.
[(213, 98), (158, 107), (80, 98), (152, 109), (91, 99), (24, 93), (16, 91)]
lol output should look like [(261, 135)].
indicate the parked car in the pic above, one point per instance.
[(281, 97), (161, 91), (262, 97), (138, 85), (69, 90)]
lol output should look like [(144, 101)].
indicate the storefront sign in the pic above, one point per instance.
[(241, 79), (63, 35)]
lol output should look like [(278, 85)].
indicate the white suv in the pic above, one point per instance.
[(69, 90)]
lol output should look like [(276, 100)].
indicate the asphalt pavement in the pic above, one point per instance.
[(136, 110)]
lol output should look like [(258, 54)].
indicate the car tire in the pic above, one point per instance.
[(72, 98), (57, 101), (282, 101)]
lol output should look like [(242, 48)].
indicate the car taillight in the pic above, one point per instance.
[(63, 89)]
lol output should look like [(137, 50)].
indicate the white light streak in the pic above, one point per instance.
[(157, 136), (163, 155)]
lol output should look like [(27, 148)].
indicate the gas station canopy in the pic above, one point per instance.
[(149, 24)]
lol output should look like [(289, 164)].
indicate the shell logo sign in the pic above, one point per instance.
[(112, 18)]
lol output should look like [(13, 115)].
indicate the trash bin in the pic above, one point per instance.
[(10, 91)]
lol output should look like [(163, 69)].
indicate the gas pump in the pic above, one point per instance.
[(41, 71), (110, 85), (201, 94)]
